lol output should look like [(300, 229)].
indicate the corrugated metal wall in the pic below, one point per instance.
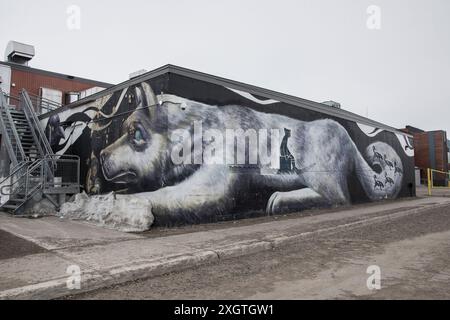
[(32, 81)]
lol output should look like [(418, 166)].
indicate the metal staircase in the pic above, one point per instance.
[(35, 170)]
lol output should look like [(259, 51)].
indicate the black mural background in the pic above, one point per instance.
[(89, 145), (217, 95)]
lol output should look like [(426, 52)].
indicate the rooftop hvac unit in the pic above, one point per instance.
[(137, 73), (332, 103), (19, 53)]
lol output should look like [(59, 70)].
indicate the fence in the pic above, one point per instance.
[(437, 179)]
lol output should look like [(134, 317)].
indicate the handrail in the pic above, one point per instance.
[(16, 135), (33, 166), (10, 186), (15, 171), (3, 127), (11, 97), (25, 183), (28, 177), (13, 155), (45, 100), (37, 99), (25, 175), (36, 124), (64, 158)]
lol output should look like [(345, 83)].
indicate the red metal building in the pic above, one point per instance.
[(15, 75), (430, 151)]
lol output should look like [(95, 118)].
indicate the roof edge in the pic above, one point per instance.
[(56, 74), (270, 94)]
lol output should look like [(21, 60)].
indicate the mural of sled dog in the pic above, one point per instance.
[(321, 156)]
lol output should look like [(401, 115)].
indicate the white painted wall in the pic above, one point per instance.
[(5, 74)]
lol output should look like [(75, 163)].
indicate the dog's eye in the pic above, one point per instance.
[(138, 135)]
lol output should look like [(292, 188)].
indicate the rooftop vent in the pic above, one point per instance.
[(333, 104), (137, 73), (19, 53)]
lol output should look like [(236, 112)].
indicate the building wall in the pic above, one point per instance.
[(202, 152), (431, 152), (32, 82), (5, 78), (421, 150)]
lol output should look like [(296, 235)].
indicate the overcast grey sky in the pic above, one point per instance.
[(318, 50)]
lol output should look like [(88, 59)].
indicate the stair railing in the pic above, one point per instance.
[(32, 177), (17, 154), (25, 183), (43, 105), (38, 132), (15, 171), (66, 174), (18, 178), (42, 143)]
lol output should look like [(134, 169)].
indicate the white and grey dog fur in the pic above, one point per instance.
[(182, 193)]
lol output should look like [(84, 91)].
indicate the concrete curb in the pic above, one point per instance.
[(99, 279), (92, 280), (286, 240)]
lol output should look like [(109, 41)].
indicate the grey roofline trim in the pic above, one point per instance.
[(149, 75), (269, 94), (56, 74)]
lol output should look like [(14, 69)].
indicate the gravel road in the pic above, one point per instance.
[(413, 253)]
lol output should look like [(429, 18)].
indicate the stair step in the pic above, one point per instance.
[(11, 207), (21, 131), (16, 200)]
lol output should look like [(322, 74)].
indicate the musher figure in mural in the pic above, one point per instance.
[(287, 161)]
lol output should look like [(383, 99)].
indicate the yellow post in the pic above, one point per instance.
[(429, 180), (448, 179)]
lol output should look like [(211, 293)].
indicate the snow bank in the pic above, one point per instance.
[(127, 213)]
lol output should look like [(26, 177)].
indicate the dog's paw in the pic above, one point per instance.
[(273, 204), (131, 213)]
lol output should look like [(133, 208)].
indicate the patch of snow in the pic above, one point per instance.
[(127, 213)]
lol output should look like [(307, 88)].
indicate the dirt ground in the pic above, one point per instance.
[(14, 247), (157, 232), (412, 252)]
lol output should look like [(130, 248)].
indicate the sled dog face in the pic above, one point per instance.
[(138, 156)]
